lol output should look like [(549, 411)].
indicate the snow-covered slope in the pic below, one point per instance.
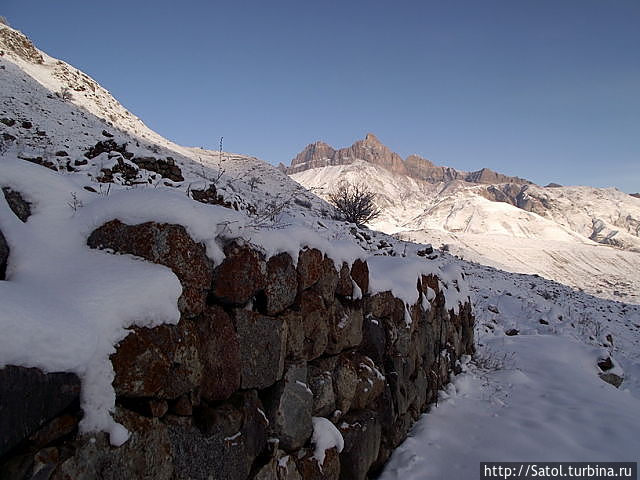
[(554, 243)]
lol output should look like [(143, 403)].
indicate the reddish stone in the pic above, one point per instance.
[(307, 329), (310, 267), (168, 245), (310, 469), (183, 406), (219, 352), (160, 361), (360, 274), (239, 277), (345, 283)]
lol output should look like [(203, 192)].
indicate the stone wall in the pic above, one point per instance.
[(262, 346)]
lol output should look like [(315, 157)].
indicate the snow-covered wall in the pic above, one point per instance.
[(280, 366)]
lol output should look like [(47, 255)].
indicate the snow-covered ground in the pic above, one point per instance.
[(535, 396)]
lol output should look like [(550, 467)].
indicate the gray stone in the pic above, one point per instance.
[(320, 382), (282, 285), (308, 328), (17, 203), (30, 398), (4, 256), (288, 406), (345, 327), (362, 433), (263, 343), (611, 378)]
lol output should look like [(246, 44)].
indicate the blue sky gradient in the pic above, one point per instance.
[(548, 90)]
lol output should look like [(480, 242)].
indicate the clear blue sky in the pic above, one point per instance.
[(543, 89)]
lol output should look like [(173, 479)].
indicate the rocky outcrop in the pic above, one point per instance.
[(370, 150), (263, 346), (19, 45)]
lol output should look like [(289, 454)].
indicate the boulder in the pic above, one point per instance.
[(17, 203), (362, 433), (162, 362), (281, 285), (263, 344), (30, 399), (307, 327), (168, 245), (4, 256), (345, 327), (239, 277), (219, 353), (310, 268), (360, 275), (288, 406)]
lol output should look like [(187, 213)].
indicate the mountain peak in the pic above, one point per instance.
[(371, 138)]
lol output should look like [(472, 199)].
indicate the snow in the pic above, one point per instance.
[(325, 437)]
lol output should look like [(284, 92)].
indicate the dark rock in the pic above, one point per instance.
[(344, 288), (374, 340), (30, 399), (210, 196), (7, 137), (310, 268), (360, 274), (611, 378), (605, 364), (147, 454), (281, 285), (310, 469), (4, 256), (59, 427), (105, 146), (512, 332), (263, 343), (288, 406), (79, 162), (39, 161), (107, 134), (9, 122), (157, 362), (17, 204), (362, 433), (182, 406), (168, 245), (345, 327), (166, 168), (308, 329), (26, 124), (239, 277), (226, 448), (542, 321), (219, 352), (320, 382), (280, 467)]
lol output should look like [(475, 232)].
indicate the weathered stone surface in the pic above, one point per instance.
[(345, 327), (362, 433), (328, 281), (320, 381), (282, 285), (357, 382), (310, 469), (17, 204), (225, 447), (219, 353), (360, 274), (611, 378), (146, 455), (263, 344), (288, 406), (168, 245), (239, 277), (308, 328), (280, 467), (30, 399), (310, 267), (4, 256), (344, 287), (161, 361), (374, 339), (167, 168)]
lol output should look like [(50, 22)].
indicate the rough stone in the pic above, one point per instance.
[(281, 285), (30, 399), (17, 203), (345, 327), (611, 378), (239, 277), (226, 447), (263, 344), (219, 353), (360, 275), (161, 361), (308, 328), (288, 407), (310, 267), (280, 467), (168, 245), (4, 256), (320, 381), (344, 287), (147, 454), (310, 469), (362, 434)]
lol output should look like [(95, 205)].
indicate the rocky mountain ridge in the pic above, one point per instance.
[(371, 150)]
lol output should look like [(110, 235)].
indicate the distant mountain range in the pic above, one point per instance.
[(371, 150)]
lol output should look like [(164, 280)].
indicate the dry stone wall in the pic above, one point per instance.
[(262, 346)]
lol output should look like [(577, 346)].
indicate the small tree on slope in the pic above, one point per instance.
[(355, 202)]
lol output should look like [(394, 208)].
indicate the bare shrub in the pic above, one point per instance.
[(355, 202)]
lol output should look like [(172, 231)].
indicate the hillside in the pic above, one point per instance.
[(582, 236)]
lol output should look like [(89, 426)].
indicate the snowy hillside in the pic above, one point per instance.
[(554, 243)]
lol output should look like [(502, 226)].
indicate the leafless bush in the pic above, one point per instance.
[(355, 202)]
